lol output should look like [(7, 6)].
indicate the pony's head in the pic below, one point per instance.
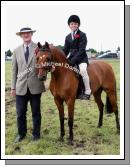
[(43, 57)]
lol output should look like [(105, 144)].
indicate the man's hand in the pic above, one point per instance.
[(13, 92)]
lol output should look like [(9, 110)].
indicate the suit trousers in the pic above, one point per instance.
[(21, 109)]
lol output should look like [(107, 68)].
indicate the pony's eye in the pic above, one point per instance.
[(37, 58)]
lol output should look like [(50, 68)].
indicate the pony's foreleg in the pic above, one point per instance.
[(70, 103), (97, 97), (60, 106)]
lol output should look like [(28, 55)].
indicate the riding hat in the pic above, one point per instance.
[(25, 29), (74, 18)]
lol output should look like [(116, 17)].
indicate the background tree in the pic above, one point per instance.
[(92, 50), (118, 48), (60, 46), (101, 52), (8, 53), (107, 51)]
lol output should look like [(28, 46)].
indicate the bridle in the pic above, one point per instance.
[(38, 66)]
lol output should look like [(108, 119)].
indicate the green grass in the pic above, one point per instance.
[(88, 139)]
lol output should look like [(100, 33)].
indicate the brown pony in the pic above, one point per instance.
[(64, 84)]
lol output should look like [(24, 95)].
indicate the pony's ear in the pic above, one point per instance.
[(39, 45), (46, 45)]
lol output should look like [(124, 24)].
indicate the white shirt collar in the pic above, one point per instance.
[(73, 32), (29, 45)]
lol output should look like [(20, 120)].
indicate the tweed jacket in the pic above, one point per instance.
[(24, 74)]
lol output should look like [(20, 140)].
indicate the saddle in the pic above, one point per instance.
[(81, 87)]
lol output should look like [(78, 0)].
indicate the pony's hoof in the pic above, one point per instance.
[(99, 126), (118, 131), (70, 142), (61, 139)]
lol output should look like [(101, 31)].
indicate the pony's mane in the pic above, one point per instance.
[(58, 54)]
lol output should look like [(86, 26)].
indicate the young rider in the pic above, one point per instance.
[(75, 45)]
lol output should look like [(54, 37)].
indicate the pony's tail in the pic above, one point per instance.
[(108, 106)]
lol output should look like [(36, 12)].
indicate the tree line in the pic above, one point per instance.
[(9, 53)]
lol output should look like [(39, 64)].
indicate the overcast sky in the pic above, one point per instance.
[(101, 23)]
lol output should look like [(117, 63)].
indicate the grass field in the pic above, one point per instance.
[(88, 139)]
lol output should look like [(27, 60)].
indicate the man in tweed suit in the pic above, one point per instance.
[(25, 85)]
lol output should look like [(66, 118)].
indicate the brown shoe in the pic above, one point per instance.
[(19, 138)]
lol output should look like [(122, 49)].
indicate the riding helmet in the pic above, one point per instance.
[(74, 18)]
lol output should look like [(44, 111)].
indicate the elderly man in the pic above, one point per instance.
[(25, 85)]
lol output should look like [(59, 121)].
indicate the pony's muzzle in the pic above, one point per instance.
[(42, 78)]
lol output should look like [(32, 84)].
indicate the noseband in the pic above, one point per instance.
[(38, 66)]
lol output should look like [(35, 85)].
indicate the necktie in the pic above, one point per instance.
[(73, 33), (27, 53)]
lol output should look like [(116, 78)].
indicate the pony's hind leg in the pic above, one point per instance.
[(60, 106), (97, 97), (113, 101)]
